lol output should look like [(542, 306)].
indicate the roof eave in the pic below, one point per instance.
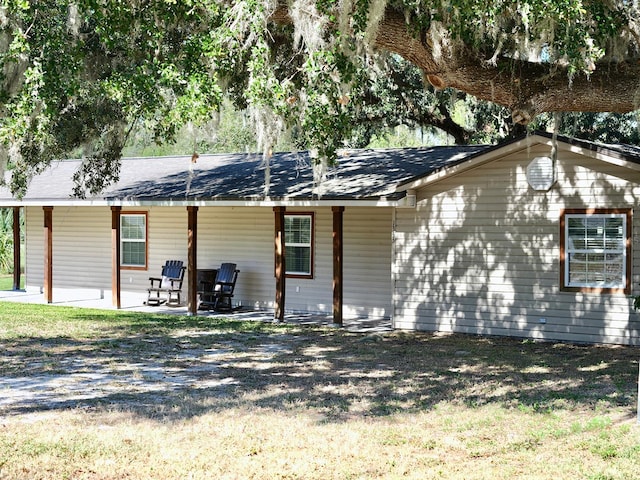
[(391, 201)]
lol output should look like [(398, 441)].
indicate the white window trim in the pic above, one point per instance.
[(308, 245), (623, 283), (134, 240)]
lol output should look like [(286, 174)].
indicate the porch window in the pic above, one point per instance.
[(133, 240), (595, 250), (298, 237)]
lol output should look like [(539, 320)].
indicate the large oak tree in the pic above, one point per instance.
[(82, 73)]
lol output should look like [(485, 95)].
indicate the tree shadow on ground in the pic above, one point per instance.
[(178, 370)]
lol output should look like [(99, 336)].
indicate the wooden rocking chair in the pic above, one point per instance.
[(169, 284)]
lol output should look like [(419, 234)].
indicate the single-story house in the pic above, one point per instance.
[(531, 238)]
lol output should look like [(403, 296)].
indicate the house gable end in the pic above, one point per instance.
[(627, 156)]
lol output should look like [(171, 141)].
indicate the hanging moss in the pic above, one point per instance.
[(307, 65)]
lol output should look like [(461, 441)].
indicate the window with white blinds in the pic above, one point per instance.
[(133, 240), (596, 249), (298, 237)]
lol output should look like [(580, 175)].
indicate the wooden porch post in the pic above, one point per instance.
[(280, 263), (337, 264), (192, 254), (48, 254), (116, 283), (16, 248)]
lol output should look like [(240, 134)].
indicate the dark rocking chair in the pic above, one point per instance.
[(217, 295), (169, 284)]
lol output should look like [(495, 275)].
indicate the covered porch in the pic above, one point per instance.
[(204, 235)]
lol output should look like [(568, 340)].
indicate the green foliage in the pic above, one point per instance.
[(232, 131), (6, 240), (6, 253), (400, 136), (598, 127), (575, 32), (82, 75), (122, 61)]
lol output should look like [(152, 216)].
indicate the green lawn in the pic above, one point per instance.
[(90, 394), (6, 282)]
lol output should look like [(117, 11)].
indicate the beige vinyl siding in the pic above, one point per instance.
[(367, 262), (480, 253), (81, 248)]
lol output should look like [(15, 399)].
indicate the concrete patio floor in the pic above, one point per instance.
[(134, 303)]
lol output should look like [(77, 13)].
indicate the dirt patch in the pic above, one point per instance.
[(127, 372)]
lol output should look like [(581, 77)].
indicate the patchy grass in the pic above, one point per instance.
[(90, 394)]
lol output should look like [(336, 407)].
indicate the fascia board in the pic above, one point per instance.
[(475, 162), (382, 202), (602, 154)]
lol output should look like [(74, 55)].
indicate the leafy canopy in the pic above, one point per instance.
[(82, 73)]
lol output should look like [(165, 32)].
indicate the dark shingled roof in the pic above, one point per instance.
[(357, 175)]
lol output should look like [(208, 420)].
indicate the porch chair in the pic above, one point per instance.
[(169, 284), (218, 295)]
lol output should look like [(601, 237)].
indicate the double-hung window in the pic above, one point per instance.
[(133, 240), (596, 250), (298, 237)]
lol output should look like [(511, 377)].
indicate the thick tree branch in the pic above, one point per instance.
[(526, 88)]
